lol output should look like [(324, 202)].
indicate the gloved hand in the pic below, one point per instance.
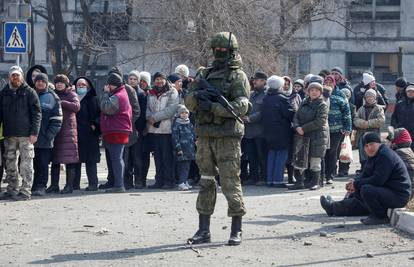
[(205, 104)]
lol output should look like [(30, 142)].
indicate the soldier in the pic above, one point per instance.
[(18, 100), (219, 135)]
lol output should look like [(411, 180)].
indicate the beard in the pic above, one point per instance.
[(16, 83)]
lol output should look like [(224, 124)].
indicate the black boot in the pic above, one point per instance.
[(236, 231), (307, 178), (54, 177), (203, 234), (327, 204), (290, 171), (70, 179), (299, 181), (314, 184)]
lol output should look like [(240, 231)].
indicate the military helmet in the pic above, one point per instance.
[(221, 39)]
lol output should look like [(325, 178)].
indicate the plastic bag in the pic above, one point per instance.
[(300, 152), (345, 155)]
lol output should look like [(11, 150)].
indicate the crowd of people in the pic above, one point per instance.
[(293, 126)]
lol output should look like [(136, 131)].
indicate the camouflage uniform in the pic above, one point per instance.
[(26, 152), (219, 133)]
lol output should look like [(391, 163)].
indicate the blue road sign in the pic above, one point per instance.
[(16, 38)]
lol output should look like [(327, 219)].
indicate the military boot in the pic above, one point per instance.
[(70, 179), (314, 183), (299, 181), (236, 231), (203, 234)]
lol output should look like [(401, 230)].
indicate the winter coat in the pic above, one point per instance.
[(116, 112), (403, 116), (359, 92), (65, 149), (295, 100), (312, 117), (183, 139), (352, 107), (254, 128), (20, 111), (376, 120), (141, 122), (407, 156), (339, 113), (136, 111), (386, 169), (277, 116), (162, 109), (88, 116), (51, 118)]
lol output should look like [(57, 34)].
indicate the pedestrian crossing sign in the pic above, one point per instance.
[(15, 37)]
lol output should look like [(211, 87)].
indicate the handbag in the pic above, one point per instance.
[(300, 152)]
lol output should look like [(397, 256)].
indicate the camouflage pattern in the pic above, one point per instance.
[(219, 133), (15, 147), (219, 156)]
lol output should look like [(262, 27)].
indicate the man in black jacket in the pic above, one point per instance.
[(21, 116), (404, 112), (383, 184)]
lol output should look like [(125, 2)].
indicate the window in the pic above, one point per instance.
[(384, 10), (388, 2), (383, 65)]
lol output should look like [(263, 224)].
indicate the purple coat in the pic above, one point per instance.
[(65, 148)]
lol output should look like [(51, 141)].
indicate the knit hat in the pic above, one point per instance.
[(260, 75), (316, 79), (116, 70), (324, 73), (15, 69), (275, 82), (145, 76), (315, 85), (400, 137), (347, 92), (371, 92), (160, 75), (114, 79), (134, 73), (401, 82), (300, 82), (307, 78), (338, 69), (410, 87), (371, 137), (367, 78), (181, 109), (61, 78), (331, 78), (182, 70), (41, 77), (174, 77)]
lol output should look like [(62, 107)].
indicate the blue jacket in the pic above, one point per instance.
[(183, 139), (386, 169), (339, 112), (51, 118), (277, 116)]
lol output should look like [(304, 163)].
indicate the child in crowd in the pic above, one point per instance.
[(183, 139)]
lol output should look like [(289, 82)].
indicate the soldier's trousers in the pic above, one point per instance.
[(15, 147), (219, 156)]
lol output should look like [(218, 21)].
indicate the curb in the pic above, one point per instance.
[(402, 220)]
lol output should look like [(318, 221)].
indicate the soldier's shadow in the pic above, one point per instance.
[(124, 254)]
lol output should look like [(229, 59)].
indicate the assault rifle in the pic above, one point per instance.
[(215, 95)]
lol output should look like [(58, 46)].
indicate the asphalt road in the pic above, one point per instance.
[(150, 227)]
